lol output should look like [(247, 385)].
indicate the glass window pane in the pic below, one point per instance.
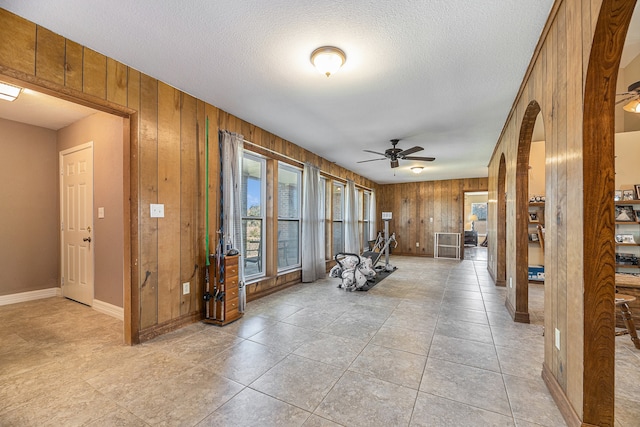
[(338, 238), (252, 171), (288, 243), (338, 201), (252, 236), (253, 221), (288, 192), (365, 207)]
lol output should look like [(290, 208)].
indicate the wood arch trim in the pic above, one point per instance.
[(598, 226), (501, 225), (522, 212)]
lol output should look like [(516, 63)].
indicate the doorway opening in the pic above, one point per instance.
[(59, 127), (475, 225)]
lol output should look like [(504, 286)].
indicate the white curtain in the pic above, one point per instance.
[(232, 146), (373, 231), (351, 241), (313, 265)]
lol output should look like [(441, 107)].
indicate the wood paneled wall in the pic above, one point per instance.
[(414, 205), (572, 78), (165, 163)]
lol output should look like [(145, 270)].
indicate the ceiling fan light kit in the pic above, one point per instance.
[(633, 96), (328, 59)]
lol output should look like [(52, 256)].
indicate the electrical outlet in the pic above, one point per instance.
[(558, 338), (157, 210), (417, 244), (186, 288), (511, 282)]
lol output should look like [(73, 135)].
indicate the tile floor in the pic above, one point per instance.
[(431, 345)]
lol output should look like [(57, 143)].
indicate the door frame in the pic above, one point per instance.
[(61, 175), (130, 188)]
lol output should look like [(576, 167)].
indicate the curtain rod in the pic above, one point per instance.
[(298, 162)]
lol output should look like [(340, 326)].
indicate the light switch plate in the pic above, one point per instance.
[(186, 288), (100, 212), (157, 210)]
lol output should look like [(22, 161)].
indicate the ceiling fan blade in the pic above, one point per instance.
[(394, 164), (410, 151), (372, 160), (424, 159), (374, 152), (629, 98)]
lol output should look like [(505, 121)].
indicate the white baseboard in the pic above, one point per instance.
[(29, 296), (109, 309)]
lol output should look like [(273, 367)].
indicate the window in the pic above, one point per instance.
[(366, 200), (322, 215), (253, 214), (289, 208), (338, 217)]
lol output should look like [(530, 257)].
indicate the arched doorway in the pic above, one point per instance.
[(521, 305), (598, 224), (501, 229)]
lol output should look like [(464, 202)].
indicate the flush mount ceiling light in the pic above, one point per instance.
[(9, 92), (328, 59), (416, 169)]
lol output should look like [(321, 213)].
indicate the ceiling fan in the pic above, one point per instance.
[(394, 154)]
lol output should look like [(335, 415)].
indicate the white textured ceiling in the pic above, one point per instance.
[(440, 74)]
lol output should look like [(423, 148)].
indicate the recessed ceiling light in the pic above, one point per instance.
[(9, 92), (416, 169)]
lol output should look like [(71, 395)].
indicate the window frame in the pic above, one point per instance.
[(298, 219), (341, 186), (263, 213)]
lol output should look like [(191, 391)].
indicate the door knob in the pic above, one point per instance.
[(87, 239)]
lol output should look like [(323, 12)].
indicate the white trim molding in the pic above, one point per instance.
[(109, 309), (29, 296)]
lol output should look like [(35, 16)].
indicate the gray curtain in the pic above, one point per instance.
[(313, 265), (351, 240), (373, 231), (232, 147)]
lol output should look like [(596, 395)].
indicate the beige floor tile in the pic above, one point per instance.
[(466, 384), (298, 381), (465, 352), (195, 394), (283, 336), (331, 349), (465, 330), (434, 411), (411, 341), (75, 404), (245, 362), (252, 408), (311, 318), (359, 400), (390, 365), (521, 362), (531, 401), (316, 421)]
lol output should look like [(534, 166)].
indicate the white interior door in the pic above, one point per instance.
[(76, 213)]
